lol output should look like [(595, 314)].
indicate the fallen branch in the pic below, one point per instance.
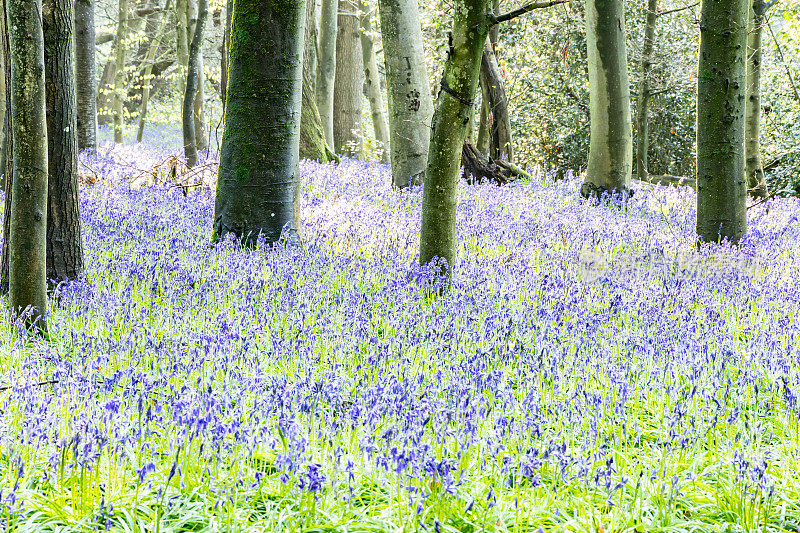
[(666, 179), (479, 168)]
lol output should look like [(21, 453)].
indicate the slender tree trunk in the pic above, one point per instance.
[(64, 245), (259, 168), (643, 102), (482, 143), (408, 91), (119, 76), (200, 126), (756, 182), (312, 138), (85, 73), (373, 80), (326, 66), (349, 82), (3, 118), (453, 110), (105, 93), (189, 122), (8, 169), (147, 76), (721, 86), (28, 231), (182, 43), (500, 125), (611, 136)]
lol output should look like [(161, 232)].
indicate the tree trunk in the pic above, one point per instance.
[(497, 105), (192, 78), (85, 73), (408, 91), (453, 110), (226, 43), (312, 138), (482, 143), (105, 92), (721, 85), (8, 146), (182, 44), (611, 136), (259, 170), (3, 109), (200, 126), (643, 102), (756, 182), (147, 75), (64, 246), (326, 66), (28, 229), (349, 82), (119, 75), (373, 81)]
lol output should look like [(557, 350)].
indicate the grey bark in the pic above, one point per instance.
[(85, 74), (28, 217), (496, 104), (756, 182), (259, 161), (349, 82), (192, 79), (373, 80), (643, 102), (200, 134), (64, 242), (147, 75), (408, 90), (721, 86), (312, 138), (611, 137), (326, 66), (119, 74), (182, 42)]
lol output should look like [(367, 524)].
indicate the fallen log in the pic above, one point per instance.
[(666, 179)]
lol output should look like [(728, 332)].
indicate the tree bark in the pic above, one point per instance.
[(119, 75), (192, 78), (64, 245), (259, 170), (326, 66), (199, 113), (3, 109), (611, 136), (643, 102), (312, 138), (756, 182), (28, 227), (453, 110), (373, 80), (349, 83), (721, 85), (8, 169), (147, 75), (408, 91), (499, 127), (85, 73), (182, 44), (105, 92), (226, 44)]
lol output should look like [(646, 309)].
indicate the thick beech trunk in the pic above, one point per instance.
[(28, 217), (721, 86), (756, 182), (643, 102), (611, 136), (85, 74), (226, 42), (119, 75), (349, 82), (259, 168), (192, 79), (499, 127), (408, 90), (373, 80), (453, 111), (326, 65), (64, 245)]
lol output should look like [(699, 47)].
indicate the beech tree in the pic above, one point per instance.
[(349, 81), (326, 65), (193, 77), (611, 135), (756, 182), (85, 74), (258, 169), (27, 248), (119, 76), (373, 80), (721, 86), (407, 89)]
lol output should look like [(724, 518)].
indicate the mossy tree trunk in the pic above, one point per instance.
[(407, 89), (611, 137), (349, 81), (643, 102), (453, 110), (64, 243), (226, 41), (259, 170), (326, 65), (119, 75), (756, 182), (85, 73), (28, 217), (312, 138), (721, 86), (192, 79), (373, 80), (8, 146)]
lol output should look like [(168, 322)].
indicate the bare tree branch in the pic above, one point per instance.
[(522, 10)]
